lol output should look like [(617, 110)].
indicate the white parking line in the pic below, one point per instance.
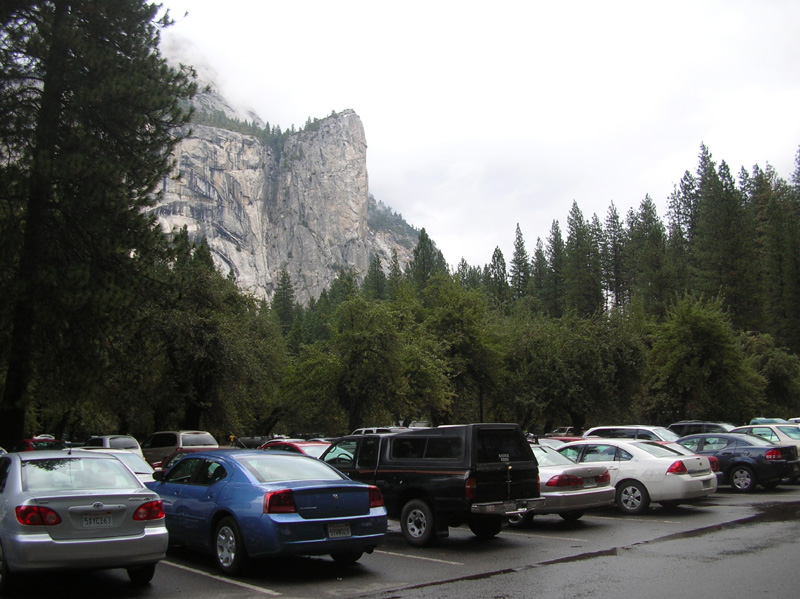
[(427, 559), (632, 519), (549, 537), (244, 585)]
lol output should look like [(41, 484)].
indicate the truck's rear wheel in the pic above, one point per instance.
[(417, 523), (485, 527)]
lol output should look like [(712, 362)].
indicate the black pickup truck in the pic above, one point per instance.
[(434, 478)]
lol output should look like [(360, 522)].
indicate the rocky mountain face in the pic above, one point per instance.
[(303, 206)]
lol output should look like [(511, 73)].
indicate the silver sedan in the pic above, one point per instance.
[(77, 510), (569, 489)]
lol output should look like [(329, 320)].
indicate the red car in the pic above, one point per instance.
[(312, 448), (37, 443)]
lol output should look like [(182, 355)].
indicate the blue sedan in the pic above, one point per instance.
[(243, 504)]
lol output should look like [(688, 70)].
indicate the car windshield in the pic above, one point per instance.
[(666, 434), (195, 439), (270, 468), (550, 457), (134, 462), (657, 449), (315, 450), (793, 432), (71, 473)]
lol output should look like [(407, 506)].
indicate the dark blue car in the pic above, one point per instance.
[(746, 460), (243, 504)]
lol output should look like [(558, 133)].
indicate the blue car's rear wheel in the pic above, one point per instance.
[(229, 548)]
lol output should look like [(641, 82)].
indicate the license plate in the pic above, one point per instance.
[(92, 520), (589, 482), (337, 531)]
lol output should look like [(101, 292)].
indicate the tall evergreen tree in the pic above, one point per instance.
[(283, 301), (614, 279), (426, 262), (539, 271), (555, 284), (584, 292), (92, 114), (645, 257), (374, 286), (520, 267), (497, 278)]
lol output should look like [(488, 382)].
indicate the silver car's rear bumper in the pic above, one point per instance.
[(32, 552)]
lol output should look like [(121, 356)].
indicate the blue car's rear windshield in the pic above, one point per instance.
[(270, 468)]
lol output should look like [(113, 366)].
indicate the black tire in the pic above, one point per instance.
[(142, 575), (521, 521), (347, 557), (417, 523), (571, 516), (7, 579), (632, 497), (229, 549), (486, 527), (743, 479)]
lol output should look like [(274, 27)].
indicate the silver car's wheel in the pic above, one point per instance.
[(742, 479), (632, 497), (229, 547)]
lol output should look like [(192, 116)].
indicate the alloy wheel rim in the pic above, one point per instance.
[(226, 546), (631, 498)]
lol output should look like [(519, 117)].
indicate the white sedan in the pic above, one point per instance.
[(646, 471)]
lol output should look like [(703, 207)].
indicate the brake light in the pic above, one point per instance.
[(279, 502), (375, 497), (471, 488), (713, 461), (152, 510), (564, 480), (605, 477), (33, 515), (773, 454), (677, 468)]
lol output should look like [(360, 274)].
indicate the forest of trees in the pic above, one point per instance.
[(109, 325)]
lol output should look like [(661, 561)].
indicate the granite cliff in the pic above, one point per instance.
[(302, 204)]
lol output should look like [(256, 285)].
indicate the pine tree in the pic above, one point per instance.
[(520, 267), (614, 279), (584, 292), (92, 114), (555, 285), (426, 262), (283, 302), (374, 286), (497, 278)]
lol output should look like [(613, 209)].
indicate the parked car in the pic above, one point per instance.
[(694, 427), (762, 420), (746, 460), (114, 442), (568, 489), (372, 430), (563, 431), (435, 478), (313, 448), (38, 444), (241, 504), (137, 464), (549, 441), (779, 434), (645, 471), (159, 445), (77, 510), (176, 455), (637, 431)]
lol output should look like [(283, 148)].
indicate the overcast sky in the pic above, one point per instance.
[(482, 115)]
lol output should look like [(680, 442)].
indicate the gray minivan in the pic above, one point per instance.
[(159, 445)]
